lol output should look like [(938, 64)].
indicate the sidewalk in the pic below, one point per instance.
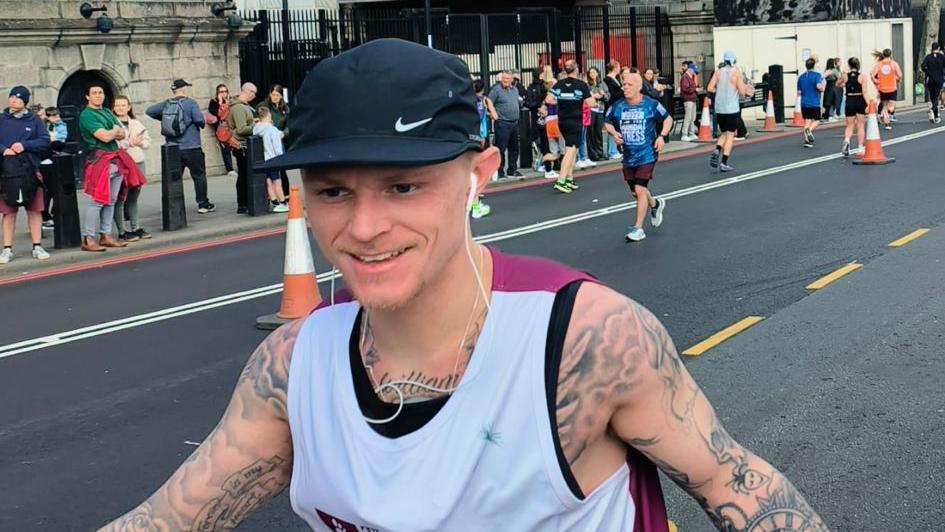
[(225, 222)]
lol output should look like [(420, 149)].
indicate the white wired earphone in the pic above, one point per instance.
[(395, 385)]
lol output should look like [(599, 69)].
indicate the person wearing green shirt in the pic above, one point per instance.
[(101, 131)]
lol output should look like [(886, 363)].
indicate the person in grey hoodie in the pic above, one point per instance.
[(272, 147), (191, 151)]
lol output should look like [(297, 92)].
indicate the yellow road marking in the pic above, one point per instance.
[(721, 336), (672, 526), (829, 278), (908, 238)]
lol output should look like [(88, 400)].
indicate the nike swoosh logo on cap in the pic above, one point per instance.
[(401, 127)]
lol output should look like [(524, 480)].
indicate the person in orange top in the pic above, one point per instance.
[(886, 74)]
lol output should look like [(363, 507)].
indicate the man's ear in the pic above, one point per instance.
[(485, 165)]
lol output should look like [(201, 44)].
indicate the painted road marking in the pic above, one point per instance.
[(238, 297), (721, 336), (908, 238), (831, 277)]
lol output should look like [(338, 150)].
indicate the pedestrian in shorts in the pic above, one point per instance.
[(810, 84), (728, 84), (633, 123)]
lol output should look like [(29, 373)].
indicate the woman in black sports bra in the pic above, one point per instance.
[(852, 81)]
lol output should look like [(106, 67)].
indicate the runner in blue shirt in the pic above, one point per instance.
[(633, 122), (810, 84)]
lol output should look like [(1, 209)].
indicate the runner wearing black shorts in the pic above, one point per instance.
[(572, 94), (810, 85), (855, 108)]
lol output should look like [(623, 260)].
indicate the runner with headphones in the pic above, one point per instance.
[(452, 386)]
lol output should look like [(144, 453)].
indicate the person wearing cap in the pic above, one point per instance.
[(450, 386), (188, 141), (688, 93), (108, 170), (728, 84), (23, 141), (242, 119)]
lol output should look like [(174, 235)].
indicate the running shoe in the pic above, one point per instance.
[(616, 156), (129, 237), (39, 253), (845, 150), (206, 208), (571, 184), (656, 213), (580, 164), (887, 127), (480, 210), (635, 234), (562, 187), (142, 234), (280, 207), (808, 144), (551, 175), (832, 119), (589, 163), (6, 255), (725, 167), (714, 159), (49, 224)]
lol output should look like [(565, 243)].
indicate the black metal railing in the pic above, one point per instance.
[(286, 44)]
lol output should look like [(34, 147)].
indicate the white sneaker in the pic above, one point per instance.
[(282, 207), (39, 253), (832, 119), (579, 164), (589, 163), (551, 175), (635, 234), (232, 173), (616, 156), (656, 213), (480, 210), (6, 255), (688, 138)]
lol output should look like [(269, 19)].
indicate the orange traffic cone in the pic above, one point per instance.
[(798, 120), (705, 123), (771, 126), (299, 287), (873, 146)]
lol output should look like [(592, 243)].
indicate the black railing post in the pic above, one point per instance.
[(484, 50), (555, 40), (257, 195), (659, 40), (173, 213), (60, 182), (525, 138), (518, 40), (776, 86), (578, 50), (606, 35), (633, 36), (288, 54)]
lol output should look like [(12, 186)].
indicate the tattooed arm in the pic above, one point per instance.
[(620, 377), (241, 465)]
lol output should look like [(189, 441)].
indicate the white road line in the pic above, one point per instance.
[(43, 342)]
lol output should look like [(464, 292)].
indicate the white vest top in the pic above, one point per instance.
[(487, 460)]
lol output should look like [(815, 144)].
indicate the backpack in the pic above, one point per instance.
[(225, 135), (534, 96), (18, 180), (173, 122)]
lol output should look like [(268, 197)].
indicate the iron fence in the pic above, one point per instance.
[(286, 44)]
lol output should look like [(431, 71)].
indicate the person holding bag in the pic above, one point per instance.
[(217, 111), (135, 142), (23, 138)]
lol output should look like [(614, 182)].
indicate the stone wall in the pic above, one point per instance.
[(692, 22), (152, 43)]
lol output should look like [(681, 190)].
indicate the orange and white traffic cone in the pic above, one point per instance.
[(299, 287), (798, 120), (873, 145), (771, 125), (705, 123)]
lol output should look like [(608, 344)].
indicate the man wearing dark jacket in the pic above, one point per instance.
[(188, 142), (934, 67), (22, 136), (616, 94)]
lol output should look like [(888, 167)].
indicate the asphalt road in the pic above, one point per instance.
[(841, 388)]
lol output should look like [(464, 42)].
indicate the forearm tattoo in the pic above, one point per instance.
[(616, 347), (244, 462)]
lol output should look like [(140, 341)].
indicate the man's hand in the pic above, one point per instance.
[(8, 152), (659, 144), (621, 378), (618, 138), (17, 148), (242, 464)]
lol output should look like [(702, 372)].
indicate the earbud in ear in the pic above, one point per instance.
[(472, 191)]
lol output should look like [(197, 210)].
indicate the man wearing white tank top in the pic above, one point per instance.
[(451, 386)]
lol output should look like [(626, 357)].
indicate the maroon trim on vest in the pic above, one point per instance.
[(516, 273), (647, 494)]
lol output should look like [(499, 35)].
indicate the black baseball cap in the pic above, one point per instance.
[(179, 83), (388, 102)]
